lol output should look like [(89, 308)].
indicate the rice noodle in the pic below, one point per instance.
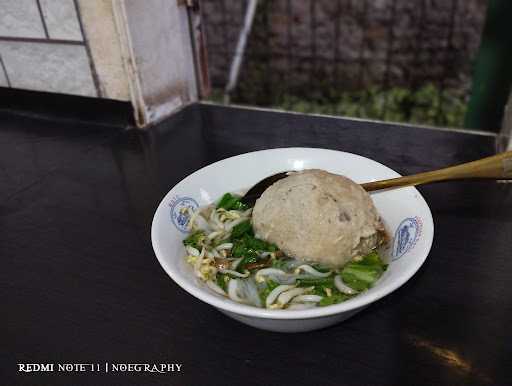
[(309, 269), (272, 296), (342, 287)]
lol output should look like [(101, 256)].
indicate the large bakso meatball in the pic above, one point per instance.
[(318, 216)]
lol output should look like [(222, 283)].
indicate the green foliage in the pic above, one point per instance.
[(427, 105)]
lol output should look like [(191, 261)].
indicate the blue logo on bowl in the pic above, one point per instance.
[(180, 214), (406, 236)]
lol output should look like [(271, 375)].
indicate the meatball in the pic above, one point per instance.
[(317, 216)]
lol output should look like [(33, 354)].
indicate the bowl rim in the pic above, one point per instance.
[(228, 305)]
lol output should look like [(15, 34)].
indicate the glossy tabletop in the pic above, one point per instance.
[(79, 282)]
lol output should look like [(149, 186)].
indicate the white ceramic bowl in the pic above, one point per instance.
[(404, 211)]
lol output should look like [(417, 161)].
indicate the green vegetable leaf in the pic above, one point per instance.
[(372, 258), (249, 248), (336, 297), (316, 282), (319, 285), (194, 239), (222, 281), (250, 257), (258, 245), (238, 249), (229, 202), (239, 205), (361, 275), (244, 228), (321, 267)]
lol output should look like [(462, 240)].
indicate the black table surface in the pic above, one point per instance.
[(79, 282)]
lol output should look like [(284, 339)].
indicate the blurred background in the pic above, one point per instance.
[(417, 61)]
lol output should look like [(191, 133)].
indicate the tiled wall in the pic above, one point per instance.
[(131, 50), (42, 47)]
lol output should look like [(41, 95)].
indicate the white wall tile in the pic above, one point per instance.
[(48, 67), (20, 18), (61, 19)]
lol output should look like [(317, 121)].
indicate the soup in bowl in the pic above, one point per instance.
[(209, 243)]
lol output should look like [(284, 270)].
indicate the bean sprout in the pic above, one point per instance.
[(342, 287), (309, 269), (272, 296), (224, 246), (192, 251), (212, 235), (286, 296), (229, 226), (211, 251), (268, 271)]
